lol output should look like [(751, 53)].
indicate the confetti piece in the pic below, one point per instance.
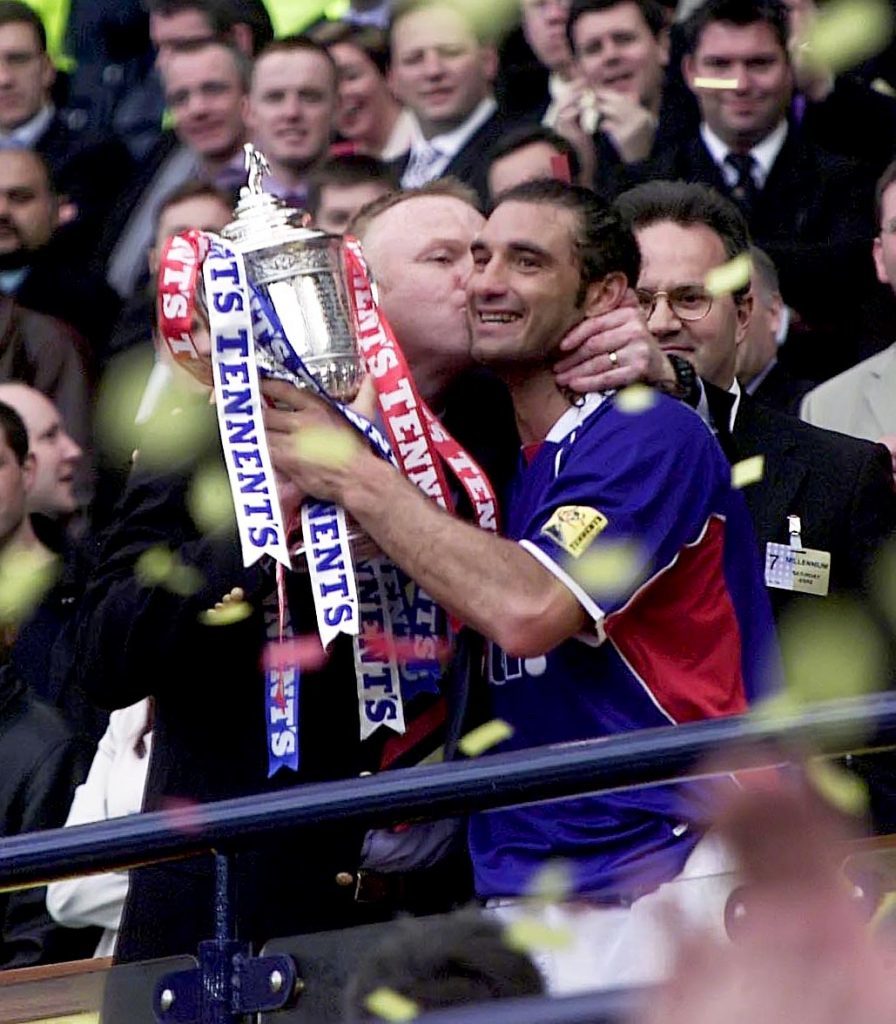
[(551, 884), (610, 568), (387, 1004), (715, 83), (747, 471), (730, 276), (209, 500), (830, 649), (846, 32), (484, 737), (635, 398), (26, 575), (159, 567), (529, 935), (842, 790), (882, 86), (302, 652), (227, 614), (326, 446)]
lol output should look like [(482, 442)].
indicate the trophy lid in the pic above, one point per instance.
[(261, 219)]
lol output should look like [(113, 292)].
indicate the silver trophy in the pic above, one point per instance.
[(301, 271)]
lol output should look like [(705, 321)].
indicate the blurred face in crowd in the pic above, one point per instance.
[(885, 243), (26, 75), (203, 212), (55, 454), (339, 204), (364, 95), (529, 163), (28, 209), (419, 253), (544, 26), (182, 28), (675, 258), (16, 482), (752, 54), (439, 69), (292, 104), (616, 50), (204, 92), (760, 344), (525, 290)]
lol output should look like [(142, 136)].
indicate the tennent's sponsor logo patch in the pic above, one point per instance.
[(574, 527)]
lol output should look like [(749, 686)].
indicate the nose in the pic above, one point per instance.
[(73, 450), (488, 280), (663, 319), (557, 12), (433, 65)]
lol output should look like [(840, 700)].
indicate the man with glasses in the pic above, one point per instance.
[(828, 495)]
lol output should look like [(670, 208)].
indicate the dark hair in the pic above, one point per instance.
[(604, 243), (738, 12), (529, 135), (651, 12), (222, 15), (348, 169), (241, 62), (402, 8), (687, 204), (192, 189), (12, 12), (40, 160), (15, 432), (883, 183), (371, 41), (299, 43), (445, 961)]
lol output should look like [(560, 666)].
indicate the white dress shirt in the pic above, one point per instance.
[(429, 158), (764, 153)]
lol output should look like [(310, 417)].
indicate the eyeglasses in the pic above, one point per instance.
[(687, 302)]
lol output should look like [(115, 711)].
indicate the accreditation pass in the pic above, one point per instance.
[(804, 570)]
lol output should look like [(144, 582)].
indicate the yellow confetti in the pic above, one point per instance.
[(387, 1004), (550, 884), (326, 446), (846, 32), (491, 21), (529, 935), (26, 575), (159, 567), (730, 276), (484, 737), (227, 614), (209, 500), (715, 83), (882, 86), (610, 568), (831, 649), (635, 398), (747, 471), (842, 790)]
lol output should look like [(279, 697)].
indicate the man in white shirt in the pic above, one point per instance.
[(444, 74)]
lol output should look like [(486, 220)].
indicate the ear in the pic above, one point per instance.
[(152, 258), (48, 72), (246, 113), (688, 71), (775, 312), (490, 62), (241, 33), (29, 471), (877, 252), (66, 211), (605, 294), (662, 42), (743, 312)]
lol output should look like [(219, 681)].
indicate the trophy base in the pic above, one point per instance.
[(339, 376)]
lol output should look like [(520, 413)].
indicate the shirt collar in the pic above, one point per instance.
[(450, 143), (764, 153), (28, 133), (754, 384), (574, 417), (736, 391)]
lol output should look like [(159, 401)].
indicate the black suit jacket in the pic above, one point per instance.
[(781, 390), (840, 487), (814, 218), (469, 164)]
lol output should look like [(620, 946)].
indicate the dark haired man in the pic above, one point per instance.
[(828, 494), (343, 185), (290, 111), (529, 153), (571, 657), (806, 207), (443, 72)]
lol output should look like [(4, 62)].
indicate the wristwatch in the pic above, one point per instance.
[(686, 387)]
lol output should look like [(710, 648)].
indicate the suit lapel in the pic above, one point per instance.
[(880, 394), (771, 499)]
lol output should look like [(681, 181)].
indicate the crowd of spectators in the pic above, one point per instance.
[(543, 193)]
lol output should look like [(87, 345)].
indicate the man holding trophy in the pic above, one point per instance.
[(296, 305)]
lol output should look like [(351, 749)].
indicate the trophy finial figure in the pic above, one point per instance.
[(257, 166)]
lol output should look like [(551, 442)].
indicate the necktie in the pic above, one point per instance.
[(745, 191), (421, 166)]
